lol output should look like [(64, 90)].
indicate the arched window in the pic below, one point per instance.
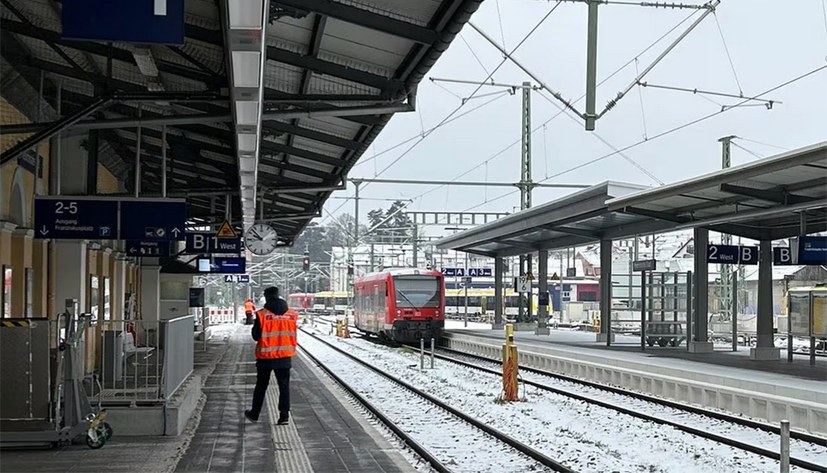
[(17, 203)]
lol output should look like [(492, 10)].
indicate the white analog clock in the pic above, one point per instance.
[(261, 239)]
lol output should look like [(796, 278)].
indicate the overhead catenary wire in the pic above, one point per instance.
[(728, 55), (763, 143), (473, 53), (553, 117), (746, 149), (568, 108), (525, 38), (517, 141), (664, 133), (607, 78), (642, 108)]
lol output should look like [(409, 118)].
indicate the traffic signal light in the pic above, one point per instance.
[(306, 263)]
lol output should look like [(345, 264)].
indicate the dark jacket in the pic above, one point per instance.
[(278, 307)]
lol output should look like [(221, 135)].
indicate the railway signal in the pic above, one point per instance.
[(306, 263)]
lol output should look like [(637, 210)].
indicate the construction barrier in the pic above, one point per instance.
[(221, 316)]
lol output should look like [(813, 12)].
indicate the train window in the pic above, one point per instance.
[(417, 291), (587, 296)]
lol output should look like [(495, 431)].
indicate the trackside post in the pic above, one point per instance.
[(785, 446), (510, 367)]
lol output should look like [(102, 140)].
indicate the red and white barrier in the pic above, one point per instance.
[(221, 316)]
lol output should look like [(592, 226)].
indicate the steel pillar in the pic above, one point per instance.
[(699, 340), (605, 334), (498, 294), (591, 65), (765, 348), (542, 309)]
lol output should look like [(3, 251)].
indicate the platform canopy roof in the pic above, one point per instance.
[(576, 219), (334, 73), (761, 200), (764, 199)]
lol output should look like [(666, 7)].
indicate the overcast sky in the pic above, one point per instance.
[(769, 41)]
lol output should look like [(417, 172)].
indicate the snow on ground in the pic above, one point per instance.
[(460, 324), (583, 436), (460, 446)]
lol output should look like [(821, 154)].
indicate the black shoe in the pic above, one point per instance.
[(284, 418), (249, 415)]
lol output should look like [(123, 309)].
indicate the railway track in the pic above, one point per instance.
[(454, 426), (801, 436)]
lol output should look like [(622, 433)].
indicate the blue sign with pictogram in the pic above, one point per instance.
[(72, 218), (153, 220), (812, 250), (147, 248), (124, 21)]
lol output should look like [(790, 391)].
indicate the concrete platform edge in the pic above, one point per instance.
[(371, 429), (805, 415)]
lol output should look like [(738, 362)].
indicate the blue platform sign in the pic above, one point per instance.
[(124, 21), (784, 256), (748, 255), (208, 243), (472, 272), (147, 248), (237, 278), (722, 254), (812, 250), (68, 218), (731, 254), (153, 220), (223, 265)]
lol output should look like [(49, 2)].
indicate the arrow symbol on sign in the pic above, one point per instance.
[(175, 232), (132, 251), (44, 230)]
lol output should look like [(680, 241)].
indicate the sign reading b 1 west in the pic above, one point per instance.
[(76, 218), (208, 243), (731, 254)]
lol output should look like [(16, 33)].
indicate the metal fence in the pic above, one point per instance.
[(177, 344), (130, 363)]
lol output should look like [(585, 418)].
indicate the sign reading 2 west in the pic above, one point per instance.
[(84, 218), (731, 254)]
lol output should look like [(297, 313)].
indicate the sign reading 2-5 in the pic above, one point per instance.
[(64, 207), (75, 218)]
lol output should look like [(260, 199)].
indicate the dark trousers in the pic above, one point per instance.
[(281, 366)]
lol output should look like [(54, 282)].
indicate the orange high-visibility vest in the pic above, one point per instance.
[(249, 307), (278, 334)]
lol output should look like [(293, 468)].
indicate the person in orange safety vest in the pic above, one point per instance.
[(274, 331), (249, 308)]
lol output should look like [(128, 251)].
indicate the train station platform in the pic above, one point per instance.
[(325, 434), (769, 390)]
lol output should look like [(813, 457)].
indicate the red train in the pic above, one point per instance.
[(402, 305), (301, 301)]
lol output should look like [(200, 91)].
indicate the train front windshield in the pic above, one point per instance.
[(417, 291)]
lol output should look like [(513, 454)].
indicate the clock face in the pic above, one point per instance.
[(261, 239)]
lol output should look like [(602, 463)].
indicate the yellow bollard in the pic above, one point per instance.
[(345, 329), (596, 324), (338, 328), (510, 366)]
